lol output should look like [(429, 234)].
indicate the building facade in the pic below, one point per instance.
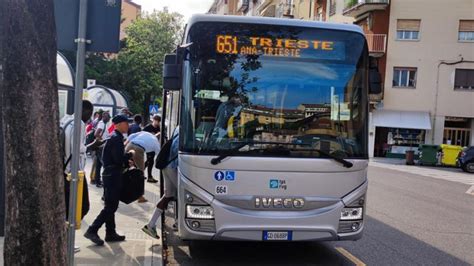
[(130, 12), (424, 50)]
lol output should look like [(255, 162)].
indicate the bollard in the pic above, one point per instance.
[(80, 190)]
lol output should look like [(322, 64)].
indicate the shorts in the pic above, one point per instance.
[(170, 176), (138, 157)]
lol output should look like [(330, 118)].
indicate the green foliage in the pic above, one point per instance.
[(137, 70)]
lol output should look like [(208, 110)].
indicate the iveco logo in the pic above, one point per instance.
[(267, 202)]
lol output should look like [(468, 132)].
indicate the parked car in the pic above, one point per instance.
[(466, 159)]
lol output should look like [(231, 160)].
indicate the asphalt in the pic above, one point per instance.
[(412, 219)]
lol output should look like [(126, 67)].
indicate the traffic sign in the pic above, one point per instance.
[(154, 109), (103, 25)]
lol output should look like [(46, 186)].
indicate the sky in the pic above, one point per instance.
[(184, 7)]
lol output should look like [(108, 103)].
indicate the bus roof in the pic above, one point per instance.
[(273, 21)]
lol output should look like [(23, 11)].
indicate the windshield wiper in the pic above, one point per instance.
[(344, 162), (221, 157), (242, 144)]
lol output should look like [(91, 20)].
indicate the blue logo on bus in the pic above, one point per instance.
[(278, 184), (230, 175), (219, 175), (273, 183)]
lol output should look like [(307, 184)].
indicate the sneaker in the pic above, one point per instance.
[(94, 237), (114, 238), (151, 231), (142, 200), (77, 249), (151, 180)]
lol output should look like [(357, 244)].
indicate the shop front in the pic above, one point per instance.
[(396, 132)]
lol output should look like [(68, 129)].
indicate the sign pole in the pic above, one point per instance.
[(81, 50)]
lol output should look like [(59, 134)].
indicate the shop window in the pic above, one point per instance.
[(464, 79), (466, 30), (404, 77), (408, 29)]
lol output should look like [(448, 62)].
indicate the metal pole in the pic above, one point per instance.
[(81, 49), (2, 174)]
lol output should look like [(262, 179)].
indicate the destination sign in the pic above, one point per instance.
[(279, 47)]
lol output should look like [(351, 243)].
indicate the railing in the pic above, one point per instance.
[(332, 9), (376, 42), (243, 5), (286, 9), (351, 3)]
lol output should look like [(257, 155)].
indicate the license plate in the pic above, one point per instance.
[(277, 235)]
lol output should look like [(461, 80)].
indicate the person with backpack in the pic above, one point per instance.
[(67, 140), (167, 162)]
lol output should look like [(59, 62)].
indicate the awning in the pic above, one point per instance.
[(401, 119)]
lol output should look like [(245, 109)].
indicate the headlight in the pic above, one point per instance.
[(351, 214), (199, 212)]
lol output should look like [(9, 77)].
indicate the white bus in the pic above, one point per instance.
[(273, 117)]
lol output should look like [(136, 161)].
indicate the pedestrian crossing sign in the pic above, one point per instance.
[(154, 108)]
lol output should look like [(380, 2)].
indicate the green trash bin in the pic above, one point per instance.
[(428, 154)]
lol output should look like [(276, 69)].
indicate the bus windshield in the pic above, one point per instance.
[(264, 90)]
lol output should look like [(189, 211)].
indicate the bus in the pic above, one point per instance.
[(273, 128)]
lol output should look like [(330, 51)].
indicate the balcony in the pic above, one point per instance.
[(356, 8), (286, 10), (243, 5), (377, 44)]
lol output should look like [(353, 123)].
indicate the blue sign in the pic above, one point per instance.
[(219, 175), (230, 175), (273, 183), (103, 25), (154, 108), (278, 184)]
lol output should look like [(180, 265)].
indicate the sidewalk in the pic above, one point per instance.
[(446, 173), (138, 249)]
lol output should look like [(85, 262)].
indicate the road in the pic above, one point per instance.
[(412, 219)]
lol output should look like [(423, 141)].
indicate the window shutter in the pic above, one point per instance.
[(466, 25), (408, 24)]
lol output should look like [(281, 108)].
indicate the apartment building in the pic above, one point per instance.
[(424, 50), (130, 12)]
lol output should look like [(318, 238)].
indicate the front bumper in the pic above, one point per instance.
[(233, 223)]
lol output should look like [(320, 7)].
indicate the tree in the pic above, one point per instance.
[(35, 211), (137, 70)]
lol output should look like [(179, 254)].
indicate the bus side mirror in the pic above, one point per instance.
[(375, 81), (171, 73)]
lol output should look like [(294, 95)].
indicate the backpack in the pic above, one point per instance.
[(62, 141), (162, 160)]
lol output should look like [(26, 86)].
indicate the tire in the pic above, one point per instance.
[(469, 167)]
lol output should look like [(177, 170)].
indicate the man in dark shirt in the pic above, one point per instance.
[(153, 128), (135, 127), (114, 161)]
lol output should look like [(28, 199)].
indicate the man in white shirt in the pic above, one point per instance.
[(142, 143), (67, 123), (101, 133)]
